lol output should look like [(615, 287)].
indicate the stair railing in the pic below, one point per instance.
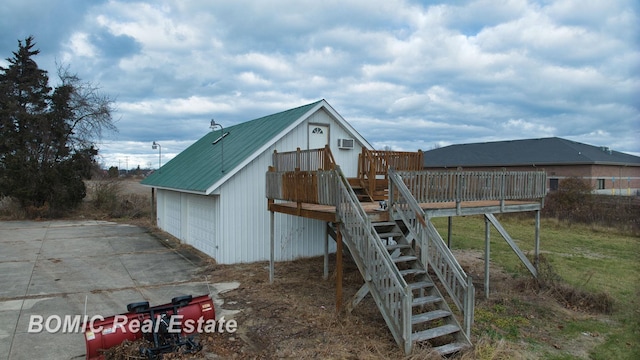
[(387, 286), (432, 250)]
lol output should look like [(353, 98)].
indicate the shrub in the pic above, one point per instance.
[(105, 195), (574, 202), (132, 206), (11, 209)]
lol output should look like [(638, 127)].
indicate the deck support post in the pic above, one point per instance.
[(487, 233), (536, 260), (450, 220), (325, 273), (272, 248), (338, 269), (154, 212)]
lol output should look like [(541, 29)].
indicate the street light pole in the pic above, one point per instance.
[(157, 146)]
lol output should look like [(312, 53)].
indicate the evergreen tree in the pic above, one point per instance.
[(47, 135)]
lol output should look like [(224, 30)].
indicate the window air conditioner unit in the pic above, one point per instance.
[(345, 143)]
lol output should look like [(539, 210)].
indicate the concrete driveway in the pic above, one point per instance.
[(50, 267)]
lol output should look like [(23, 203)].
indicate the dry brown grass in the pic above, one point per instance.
[(551, 284)]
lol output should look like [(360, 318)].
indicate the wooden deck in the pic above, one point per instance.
[(439, 209)]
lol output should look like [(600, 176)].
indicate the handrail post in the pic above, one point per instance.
[(424, 241), (469, 306), (406, 328), (503, 189), (458, 190), (274, 159), (391, 195)]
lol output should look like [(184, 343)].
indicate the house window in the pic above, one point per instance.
[(553, 184), (317, 130), (601, 184)]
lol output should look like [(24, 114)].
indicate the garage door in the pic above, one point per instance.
[(172, 213), (201, 223)]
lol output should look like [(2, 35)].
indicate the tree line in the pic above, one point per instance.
[(48, 134)]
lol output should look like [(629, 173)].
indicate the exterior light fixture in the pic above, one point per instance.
[(213, 125), (157, 146)]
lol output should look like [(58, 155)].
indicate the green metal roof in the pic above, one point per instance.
[(198, 167)]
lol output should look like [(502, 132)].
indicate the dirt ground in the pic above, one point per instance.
[(296, 317)]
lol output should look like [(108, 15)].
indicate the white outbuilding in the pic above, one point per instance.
[(212, 195)]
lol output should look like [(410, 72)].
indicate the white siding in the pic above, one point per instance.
[(347, 159), (245, 229)]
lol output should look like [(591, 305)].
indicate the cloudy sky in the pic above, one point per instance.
[(406, 74)]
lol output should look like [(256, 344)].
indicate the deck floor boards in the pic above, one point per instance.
[(439, 209)]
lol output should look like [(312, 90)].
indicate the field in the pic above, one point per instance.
[(586, 304)]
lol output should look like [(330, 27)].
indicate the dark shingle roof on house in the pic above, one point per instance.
[(198, 167), (544, 151)]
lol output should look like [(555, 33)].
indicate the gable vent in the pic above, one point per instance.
[(345, 143)]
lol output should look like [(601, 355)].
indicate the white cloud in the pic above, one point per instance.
[(80, 46), (406, 74), (514, 126)]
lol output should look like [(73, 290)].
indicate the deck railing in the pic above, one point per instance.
[(457, 186), (388, 288), (374, 164), (304, 160), (431, 249), (303, 176), (311, 187)]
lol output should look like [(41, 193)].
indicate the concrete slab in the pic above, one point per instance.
[(20, 250), (51, 268), (27, 225), (9, 234), (45, 345), (157, 268), (82, 274), (135, 243), (73, 231), (14, 278), (123, 230), (9, 314), (75, 247)]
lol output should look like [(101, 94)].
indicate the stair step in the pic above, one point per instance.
[(450, 348), (389, 234), (412, 272), (405, 258), (429, 316), (426, 300), (420, 285), (384, 223), (397, 246), (434, 333)]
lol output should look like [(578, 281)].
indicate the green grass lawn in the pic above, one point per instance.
[(587, 258)]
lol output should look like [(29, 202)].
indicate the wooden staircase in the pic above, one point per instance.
[(384, 251), (394, 257), (432, 319)]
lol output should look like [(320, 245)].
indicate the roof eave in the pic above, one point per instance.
[(190, 191)]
